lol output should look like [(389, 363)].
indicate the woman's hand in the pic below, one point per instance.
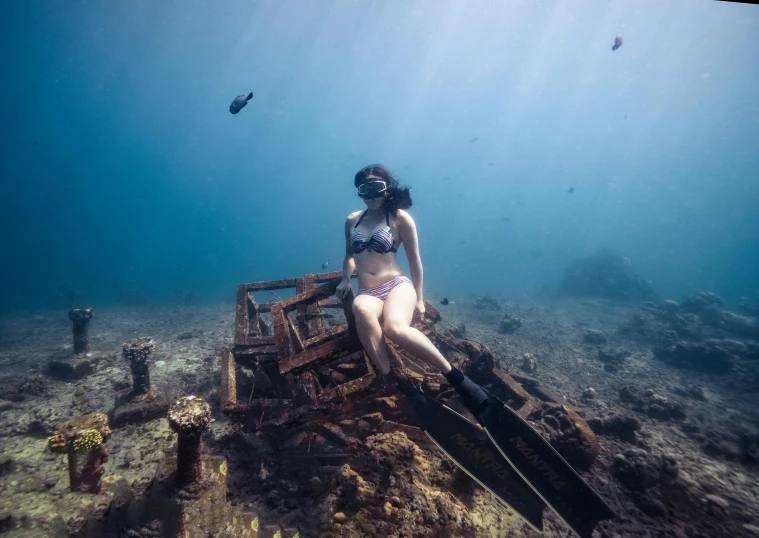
[(342, 288), (420, 307)]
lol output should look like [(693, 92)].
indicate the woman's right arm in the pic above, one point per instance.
[(349, 264)]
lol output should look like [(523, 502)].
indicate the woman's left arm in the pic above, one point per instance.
[(407, 229)]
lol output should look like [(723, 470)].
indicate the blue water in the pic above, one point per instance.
[(122, 168)]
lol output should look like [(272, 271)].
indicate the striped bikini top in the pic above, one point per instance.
[(381, 241)]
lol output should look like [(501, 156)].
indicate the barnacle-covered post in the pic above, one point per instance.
[(137, 351), (189, 417), (81, 318), (81, 439)]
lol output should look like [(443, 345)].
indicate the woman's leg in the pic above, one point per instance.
[(399, 309), (368, 311), (396, 323)]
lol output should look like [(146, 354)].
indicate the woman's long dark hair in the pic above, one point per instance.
[(398, 197)]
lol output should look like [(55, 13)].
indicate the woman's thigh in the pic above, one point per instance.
[(367, 307), (399, 306)]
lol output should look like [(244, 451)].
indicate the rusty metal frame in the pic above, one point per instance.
[(295, 352), (298, 345), (253, 337)]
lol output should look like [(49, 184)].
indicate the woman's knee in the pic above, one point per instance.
[(394, 329), (363, 310)]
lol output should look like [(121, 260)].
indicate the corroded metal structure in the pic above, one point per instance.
[(304, 359), (297, 357)]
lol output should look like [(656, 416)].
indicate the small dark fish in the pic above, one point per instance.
[(491, 164), (535, 253), (617, 42), (444, 301), (325, 264), (35, 143), (506, 219), (475, 139), (625, 116), (239, 103), (570, 190)]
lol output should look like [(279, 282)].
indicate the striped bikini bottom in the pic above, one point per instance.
[(382, 291)]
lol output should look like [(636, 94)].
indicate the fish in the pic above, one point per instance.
[(239, 103), (570, 190), (445, 301), (325, 264), (617, 42), (491, 164), (475, 139)]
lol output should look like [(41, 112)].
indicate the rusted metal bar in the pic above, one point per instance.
[(228, 389), (281, 332), (326, 334), (266, 285), (260, 350), (346, 388), (253, 327), (242, 322), (330, 303), (308, 326), (334, 349), (320, 278), (298, 343), (271, 403), (315, 294)]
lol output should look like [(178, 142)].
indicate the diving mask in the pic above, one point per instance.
[(372, 189)]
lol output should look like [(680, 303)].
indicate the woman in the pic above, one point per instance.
[(386, 298)]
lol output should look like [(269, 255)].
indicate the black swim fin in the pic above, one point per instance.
[(470, 448), (547, 473)]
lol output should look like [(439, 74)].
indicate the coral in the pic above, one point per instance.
[(587, 435), (594, 337), (529, 362), (87, 440), (137, 351), (707, 356), (509, 324), (57, 443), (652, 404), (604, 274), (486, 303), (621, 427), (189, 416)]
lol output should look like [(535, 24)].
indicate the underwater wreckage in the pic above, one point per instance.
[(311, 364), (305, 404)]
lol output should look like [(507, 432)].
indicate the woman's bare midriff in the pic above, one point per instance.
[(374, 269)]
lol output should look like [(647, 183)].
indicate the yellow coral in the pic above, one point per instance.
[(223, 468), (586, 434), (57, 443), (88, 440)]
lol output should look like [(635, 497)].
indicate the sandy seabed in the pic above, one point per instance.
[(683, 465)]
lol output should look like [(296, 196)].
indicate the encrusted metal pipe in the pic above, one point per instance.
[(81, 439), (137, 351), (81, 318), (189, 417)]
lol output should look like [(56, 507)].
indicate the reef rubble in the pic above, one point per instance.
[(649, 415)]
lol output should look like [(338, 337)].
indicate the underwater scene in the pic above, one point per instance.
[(379, 268)]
